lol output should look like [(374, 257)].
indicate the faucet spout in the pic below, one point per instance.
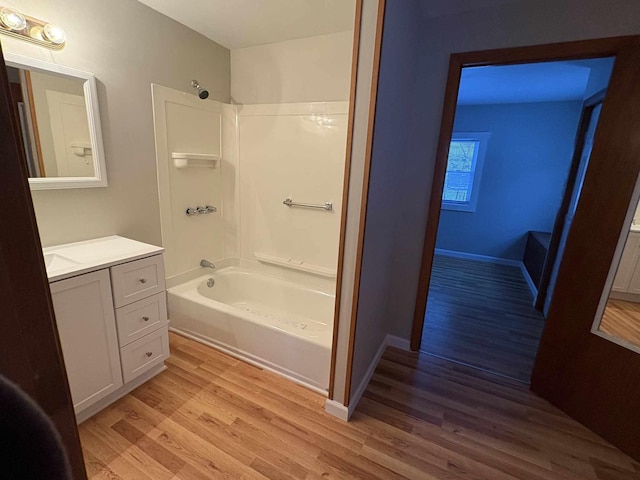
[(206, 264)]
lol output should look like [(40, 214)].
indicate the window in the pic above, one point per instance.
[(464, 169)]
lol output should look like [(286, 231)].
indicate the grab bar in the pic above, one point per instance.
[(328, 206)]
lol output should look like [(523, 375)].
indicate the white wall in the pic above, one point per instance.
[(517, 24), (313, 69), (127, 46)]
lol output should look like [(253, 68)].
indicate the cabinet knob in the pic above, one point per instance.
[(145, 318), (148, 354), (142, 280)]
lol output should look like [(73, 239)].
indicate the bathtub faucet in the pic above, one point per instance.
[(206, 264)]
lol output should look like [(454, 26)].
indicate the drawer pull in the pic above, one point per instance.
[(148, 354), (142, 280), (145, 318)]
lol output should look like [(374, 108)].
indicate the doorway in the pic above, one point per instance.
[(510, 166), (582, 373)]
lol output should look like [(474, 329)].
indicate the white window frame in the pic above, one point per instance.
[(483, 139)]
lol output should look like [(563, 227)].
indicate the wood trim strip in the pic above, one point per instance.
[(345, 193), (365, 194), (538, 53), (34, 122), (558, 226), (435, 202)]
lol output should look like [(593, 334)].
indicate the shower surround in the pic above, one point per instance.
[(273, 293)]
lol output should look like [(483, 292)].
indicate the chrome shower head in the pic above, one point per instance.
[(203, 93)]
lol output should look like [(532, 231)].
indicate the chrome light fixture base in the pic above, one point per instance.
[(15, 24)]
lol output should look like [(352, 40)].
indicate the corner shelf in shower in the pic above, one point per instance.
[(183, 160), (295, 264)]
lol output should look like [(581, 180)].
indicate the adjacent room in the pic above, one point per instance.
[(508, 171)]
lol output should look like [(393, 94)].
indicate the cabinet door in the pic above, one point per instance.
[(87, 328), (628, 263)]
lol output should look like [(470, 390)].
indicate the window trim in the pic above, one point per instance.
[(483, 139)]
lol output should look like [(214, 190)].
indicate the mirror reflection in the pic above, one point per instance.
[(54, 128), (621, 315)]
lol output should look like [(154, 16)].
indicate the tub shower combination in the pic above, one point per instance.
[(258, 190), (268, 321)]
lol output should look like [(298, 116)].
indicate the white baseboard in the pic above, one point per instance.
[(479, 258), (496, 260), (337, 410), (627, 297), (342, 412), (527, 278), (398, 342)]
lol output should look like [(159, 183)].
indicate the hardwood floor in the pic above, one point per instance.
[(482, 314), (210, 416), (622, 319)]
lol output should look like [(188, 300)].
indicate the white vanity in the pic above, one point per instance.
[(626, 284), (111, 311)]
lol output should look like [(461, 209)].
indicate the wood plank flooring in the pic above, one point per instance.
[(482, 314), (210, 416), (622, 319)]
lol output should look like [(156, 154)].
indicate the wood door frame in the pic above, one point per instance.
[(31, 353), (345, 194), (363, 205), (582, 49), (556, 235)]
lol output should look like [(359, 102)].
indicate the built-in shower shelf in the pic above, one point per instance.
[(184, 160), (295, 264)]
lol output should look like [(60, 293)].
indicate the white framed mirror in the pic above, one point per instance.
[(57, 113)]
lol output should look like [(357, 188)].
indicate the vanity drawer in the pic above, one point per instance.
[(141, 318), (136, 280), (145, 353)]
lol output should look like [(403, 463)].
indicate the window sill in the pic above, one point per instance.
[(459, 207)]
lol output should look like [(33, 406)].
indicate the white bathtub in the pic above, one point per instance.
[(275, 323)]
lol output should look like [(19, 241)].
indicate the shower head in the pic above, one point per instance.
[(203, 93)]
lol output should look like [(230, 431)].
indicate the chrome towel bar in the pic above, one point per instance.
[(328, 206)]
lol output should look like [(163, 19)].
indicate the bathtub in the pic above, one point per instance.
[(273, 323)]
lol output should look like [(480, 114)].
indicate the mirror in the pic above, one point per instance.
[(618, 318), (56, 109)]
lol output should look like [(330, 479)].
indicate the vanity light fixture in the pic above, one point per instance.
[(17, 25)]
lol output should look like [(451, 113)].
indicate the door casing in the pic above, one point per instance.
[(591, 379)]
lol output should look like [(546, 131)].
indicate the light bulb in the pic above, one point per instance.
[(55, 34), (37, 33), (13, 20)]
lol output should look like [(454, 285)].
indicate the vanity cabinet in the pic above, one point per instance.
[(627, 279), (111, 318), (88, 336)]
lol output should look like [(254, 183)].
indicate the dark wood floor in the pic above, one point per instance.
[(622, 319), (482, 314), (210, 416)]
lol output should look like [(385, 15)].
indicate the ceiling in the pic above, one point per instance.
[(528, 83), (244, 23)]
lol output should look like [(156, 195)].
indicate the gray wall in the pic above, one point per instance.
[(407, 134), (388, 173), (127, 46)]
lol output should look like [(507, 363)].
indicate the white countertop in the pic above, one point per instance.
[(71, 259)]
